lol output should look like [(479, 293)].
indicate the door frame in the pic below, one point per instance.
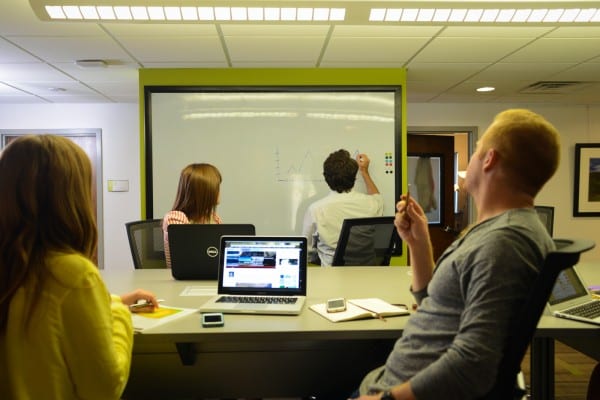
[(472, 136), (96, 160)]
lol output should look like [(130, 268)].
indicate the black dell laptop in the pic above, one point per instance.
[(195, 248)]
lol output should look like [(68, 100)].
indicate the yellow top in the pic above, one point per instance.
[(78, 342)]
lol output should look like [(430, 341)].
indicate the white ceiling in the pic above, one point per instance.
[(444, 63)]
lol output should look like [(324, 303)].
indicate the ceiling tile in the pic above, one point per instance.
[(469, 50), (505, 71), (575, 32), (160, 30), (46, 89), (582, 72), (32, 72), (434, 72), (386, 50), (272, 48), (9, 53), (378, 31), (174, 49), (275, 30), (112, 73), (557, 50), (69, 49), (494, 31)]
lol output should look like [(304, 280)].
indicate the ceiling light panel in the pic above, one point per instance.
[(486, 15), (187, 13)]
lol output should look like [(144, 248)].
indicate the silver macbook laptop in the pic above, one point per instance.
[(194, 248), (260, 275), (571, 299)]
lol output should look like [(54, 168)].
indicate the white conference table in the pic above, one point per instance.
[(293, 356)]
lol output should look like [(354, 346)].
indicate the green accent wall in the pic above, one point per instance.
[(240, 77)]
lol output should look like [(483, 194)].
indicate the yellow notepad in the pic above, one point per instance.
[(161, 316), (361, 309)]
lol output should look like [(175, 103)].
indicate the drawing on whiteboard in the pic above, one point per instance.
[(309, 169), (302, 171)]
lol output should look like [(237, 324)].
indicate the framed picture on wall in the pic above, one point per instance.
[(586, 198)]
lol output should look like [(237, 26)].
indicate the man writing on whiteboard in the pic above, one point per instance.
[(323, 219)]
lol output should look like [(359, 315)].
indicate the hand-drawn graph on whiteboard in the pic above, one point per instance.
[(305, 168)]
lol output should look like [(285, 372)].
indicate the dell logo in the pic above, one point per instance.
[(212, 251)]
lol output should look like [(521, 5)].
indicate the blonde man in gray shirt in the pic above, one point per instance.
[(452, 345)]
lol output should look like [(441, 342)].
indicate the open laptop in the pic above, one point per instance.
[(194, 248), (260, 275), (571, 299)]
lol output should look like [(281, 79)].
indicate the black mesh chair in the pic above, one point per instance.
[(146, 242), (367, 241), (546, 214), (523, 327)]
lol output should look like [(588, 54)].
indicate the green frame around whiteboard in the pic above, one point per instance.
[(241, 77)]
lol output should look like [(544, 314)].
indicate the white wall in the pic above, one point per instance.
[(121, 159), (121, 156)]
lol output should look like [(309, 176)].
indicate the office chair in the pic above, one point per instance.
[(546, 214), (523, 327), (367, 241), (146, 242), (593, 389)]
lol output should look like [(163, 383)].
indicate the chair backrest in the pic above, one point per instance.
[(146, 241), (523, 327), (546, 214), (367, 241)]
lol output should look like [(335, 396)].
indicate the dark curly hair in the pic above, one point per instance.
[(339, 170)]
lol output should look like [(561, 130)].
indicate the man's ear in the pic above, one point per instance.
[(491, 159)]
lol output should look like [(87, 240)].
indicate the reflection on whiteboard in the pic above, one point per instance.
[(270, 148), (424, 176)]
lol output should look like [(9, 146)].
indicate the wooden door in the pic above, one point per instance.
[(432, 172)]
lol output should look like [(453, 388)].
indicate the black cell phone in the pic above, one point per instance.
[(210, 320)]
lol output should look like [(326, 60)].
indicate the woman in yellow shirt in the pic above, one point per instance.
[(62, 334)]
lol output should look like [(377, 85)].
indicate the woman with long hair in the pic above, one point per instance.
[(198, 195), (62, 334)]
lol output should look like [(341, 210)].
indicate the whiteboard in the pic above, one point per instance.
[(269, 145)]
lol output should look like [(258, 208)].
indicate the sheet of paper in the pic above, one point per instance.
[(162, 315), (199, 291)]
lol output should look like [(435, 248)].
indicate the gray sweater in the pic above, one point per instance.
[(452, 345)]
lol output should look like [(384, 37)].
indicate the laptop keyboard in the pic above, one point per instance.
[(588, 310), (258, 299)]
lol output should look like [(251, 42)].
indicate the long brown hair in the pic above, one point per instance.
[(45, 205), (198, 192)]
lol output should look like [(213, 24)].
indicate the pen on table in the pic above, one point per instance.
[(379, 316), (144, 304)]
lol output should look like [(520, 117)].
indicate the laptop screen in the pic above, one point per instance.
[(263, 265), (568, 286)]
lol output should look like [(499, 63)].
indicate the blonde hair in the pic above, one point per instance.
[(528, 146), (198, 192), (45, 205)]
